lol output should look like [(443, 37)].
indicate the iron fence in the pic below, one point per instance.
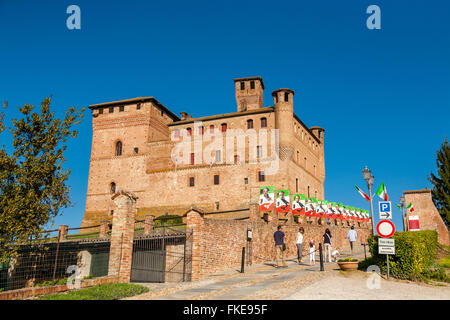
[(45, 260)]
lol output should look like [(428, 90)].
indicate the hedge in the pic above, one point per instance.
[(415, 252)]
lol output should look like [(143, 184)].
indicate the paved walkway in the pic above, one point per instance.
[(258, 282), (295, 282)]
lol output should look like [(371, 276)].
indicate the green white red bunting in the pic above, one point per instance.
[(365, 196)]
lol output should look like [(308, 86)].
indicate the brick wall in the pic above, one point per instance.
[(217, 244), (429, 217)]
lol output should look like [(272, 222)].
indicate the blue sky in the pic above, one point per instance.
[(382, 95)]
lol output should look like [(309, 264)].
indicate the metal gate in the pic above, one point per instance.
[(162, 256)]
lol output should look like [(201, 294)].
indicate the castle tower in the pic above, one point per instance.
[(249, 93), (283, 102)]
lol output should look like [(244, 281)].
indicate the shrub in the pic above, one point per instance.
[(348, 259), (445, 262), (168, 220), (415, 252)]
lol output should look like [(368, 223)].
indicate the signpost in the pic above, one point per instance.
[(385, 210), (385, 230)]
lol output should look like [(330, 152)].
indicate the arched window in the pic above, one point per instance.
[(224, 127), (250, 124), (112, 188), (211, 129), (118, 148), (189, 132)]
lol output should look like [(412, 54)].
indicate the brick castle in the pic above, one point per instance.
[(134, 140)]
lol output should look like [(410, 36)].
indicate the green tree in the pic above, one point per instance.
[(32, 178), (441, 182)]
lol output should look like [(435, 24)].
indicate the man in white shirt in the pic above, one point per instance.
[(299, 243), (352, 235)]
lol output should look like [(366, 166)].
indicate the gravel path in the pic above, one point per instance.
[(353, 286)]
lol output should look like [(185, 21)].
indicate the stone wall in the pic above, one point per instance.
[(218, 243)]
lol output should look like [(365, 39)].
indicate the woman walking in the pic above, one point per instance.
[(327, 244), (299, 243)]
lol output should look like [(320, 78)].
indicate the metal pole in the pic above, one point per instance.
[(387, 261), (404, 218), (243, 260), (321, 257), (371, 209), (56, 256)]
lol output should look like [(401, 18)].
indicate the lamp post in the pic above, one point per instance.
[(369, 179), (402, 204)]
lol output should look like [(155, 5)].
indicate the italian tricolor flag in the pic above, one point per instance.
[(365, 196), (410, 207), (382, 193)]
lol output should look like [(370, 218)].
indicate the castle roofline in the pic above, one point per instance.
[(223, 116), (250, 78), (417, 191), (308, 129), (135, 100), (283, 89)]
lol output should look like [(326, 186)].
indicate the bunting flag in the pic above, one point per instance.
[(365, 196), (382, 193), (325, 209), (342, 214), (410, 207)]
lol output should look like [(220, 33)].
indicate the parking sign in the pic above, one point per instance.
[(385, 210)]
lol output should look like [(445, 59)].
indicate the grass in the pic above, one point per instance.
[(444, 262), (113, 291)]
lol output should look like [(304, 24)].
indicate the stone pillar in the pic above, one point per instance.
[(195, 224), (104, 228), (63, 230), (148, 223), (254, 212), (122, 235)]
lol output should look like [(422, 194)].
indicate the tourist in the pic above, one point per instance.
[(312, 253), (327, 244), (299, 243), (352, 235), (280, 247)]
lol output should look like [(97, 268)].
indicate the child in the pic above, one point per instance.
[(312, 253)]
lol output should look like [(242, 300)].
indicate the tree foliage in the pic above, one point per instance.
[(441, 182), (33, 186)]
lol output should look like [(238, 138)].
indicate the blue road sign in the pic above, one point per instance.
[(385, 209)]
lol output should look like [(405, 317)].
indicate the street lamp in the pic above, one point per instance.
[(369, 179), (402, 204)]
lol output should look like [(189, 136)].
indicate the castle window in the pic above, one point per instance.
[(189, 132), (246, 180), (252, 84), (136, 150), (236, 158), (218, 156), (263, 122), (100, 110), (216, 179), (296, 184), (111, 109), (308, 192), (286, 96), (298, 156), (242, 85), (138, 106), (121, 108), (217, 205), (261, 176), (112, 187), (200, 130), (118, 148), (224, 127), (259, 151), (191, 182), (211, 129), (192, 158), (250, 124)]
